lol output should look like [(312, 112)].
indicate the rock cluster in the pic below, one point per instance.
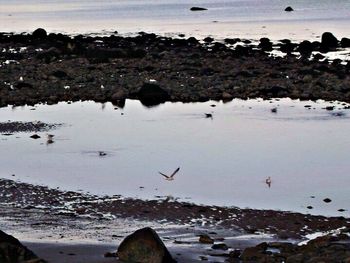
[(49, 68), (329, 248)]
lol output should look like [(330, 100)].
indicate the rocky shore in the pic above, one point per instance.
[(49, 68), (43, 208)]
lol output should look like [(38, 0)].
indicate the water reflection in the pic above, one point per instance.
[(225, 160)]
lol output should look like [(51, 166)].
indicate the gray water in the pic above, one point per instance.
[(223, 161), (244, 18)]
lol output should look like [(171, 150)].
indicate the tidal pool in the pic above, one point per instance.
[(224, 159)]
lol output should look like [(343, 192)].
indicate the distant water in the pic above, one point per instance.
[(233, 18), (224, 160)]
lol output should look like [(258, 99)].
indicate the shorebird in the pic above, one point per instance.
[(268, 181), (171, 177)]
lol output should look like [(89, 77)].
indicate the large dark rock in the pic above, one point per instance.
[(152, 94), (328, 41), (265, 44), (39, 33), (305, 48), (144, 246), (12, 251), (287, 46), (345, 42)]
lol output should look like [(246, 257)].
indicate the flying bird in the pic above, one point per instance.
[(171, 177)]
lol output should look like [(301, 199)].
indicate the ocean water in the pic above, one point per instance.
[(223, 160), (224, 18)]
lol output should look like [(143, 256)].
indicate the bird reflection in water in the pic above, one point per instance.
[(268, 181)]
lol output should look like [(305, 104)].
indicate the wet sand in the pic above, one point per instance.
[(65, 226)]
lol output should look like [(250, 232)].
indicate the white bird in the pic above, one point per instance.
[(171, 177)]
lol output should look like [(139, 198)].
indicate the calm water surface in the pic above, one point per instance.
[(233, 18), (224, 160)]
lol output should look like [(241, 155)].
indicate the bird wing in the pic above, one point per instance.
[(164, 175), (172, 175)]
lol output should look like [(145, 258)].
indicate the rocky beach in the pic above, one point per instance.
[(49, 68), (72, 226), (174, 131)]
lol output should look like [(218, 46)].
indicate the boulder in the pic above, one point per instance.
[(151, 94), (328, 41), (39, 33), (265, 44), (208, 39), (231, 41), (305, 48), (289, 9), (196, 8), (287, 47), (144, 246), (11, 250), (345, 42)]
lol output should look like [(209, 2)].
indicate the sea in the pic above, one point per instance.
[(224, 159), (250, 19)]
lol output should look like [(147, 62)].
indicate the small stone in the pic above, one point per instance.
[(221, 246), (327, 200), (289, 9), (205, 239), (35, 136), (227, 96), (110, 255)]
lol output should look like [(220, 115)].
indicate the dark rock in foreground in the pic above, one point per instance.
[(144, 246), (196, 8), (12, 251), (289, 9)]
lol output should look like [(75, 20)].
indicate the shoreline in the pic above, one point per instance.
[(58, 225), (50, 68), (41, 68), (245, 220)]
